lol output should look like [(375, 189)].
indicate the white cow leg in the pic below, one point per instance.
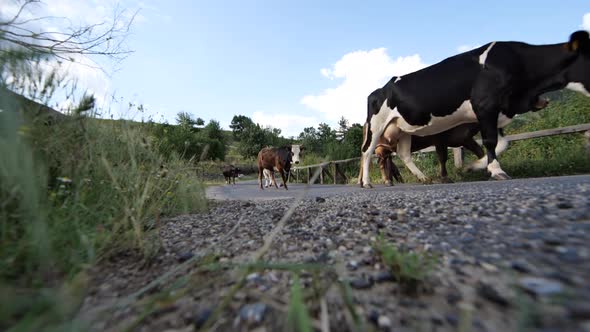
[(404, 151), (502, 145), (497, 172), (482, 163)]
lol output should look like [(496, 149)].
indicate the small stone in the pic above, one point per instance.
[(384, 322), (454, 297), (253, 312), (320, 199), (383, 276), (201, 317), (185, 256), (564, 205), (552, 241), (373, 316), (491, 294), (352, 265), (540, 286), (579, 310), (253, 277), (489, 267), (361, 283), (520, 266), (374, 212), (452, 319), (342, 248)]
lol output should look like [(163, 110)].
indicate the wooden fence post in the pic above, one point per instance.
[(335, 172), (308, 175), (458, 157), (321, 174)]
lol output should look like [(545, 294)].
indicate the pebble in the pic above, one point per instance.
[(384, 322), (253, 312), (320, 199), (521, 266), (361, 283), (491, 294), (352, 265), (383, 276), (185, 256), (579, 310), (540, 286), (201, 317)]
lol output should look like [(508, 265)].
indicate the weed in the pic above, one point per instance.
[(298, 317), (408, 268)]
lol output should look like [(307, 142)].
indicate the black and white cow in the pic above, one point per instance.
[(489, 85)]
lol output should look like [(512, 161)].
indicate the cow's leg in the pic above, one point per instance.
[(260, 172), (385, 168), (404, 151), (378, 124), (284, 177), (482, 162), (274, 181), (442, 154), (489, 134), (360, 178), (395, 171)]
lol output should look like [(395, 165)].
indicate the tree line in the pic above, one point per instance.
[(322, 142)]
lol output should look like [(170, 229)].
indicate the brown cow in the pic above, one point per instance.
[(461, 135), (230, 172), (275, 158)]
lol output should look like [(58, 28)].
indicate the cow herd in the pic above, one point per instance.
[(448, 103)]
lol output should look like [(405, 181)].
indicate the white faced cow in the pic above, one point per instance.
[(488, 85), (296, 152)]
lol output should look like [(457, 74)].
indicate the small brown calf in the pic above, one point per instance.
[(275, 158)]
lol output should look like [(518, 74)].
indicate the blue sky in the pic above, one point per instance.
[(293, 64)]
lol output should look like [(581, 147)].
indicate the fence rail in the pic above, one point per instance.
[(457, 152)]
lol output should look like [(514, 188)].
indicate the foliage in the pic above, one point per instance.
[(187, 140), (252, 137)]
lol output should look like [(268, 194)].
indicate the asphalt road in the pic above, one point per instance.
[(248, 190)]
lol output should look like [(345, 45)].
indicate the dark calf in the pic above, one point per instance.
[(230, 173), (275, 158)]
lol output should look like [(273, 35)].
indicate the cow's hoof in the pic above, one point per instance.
[(500, 176), (367, 186), (389, 183), (445, 180)]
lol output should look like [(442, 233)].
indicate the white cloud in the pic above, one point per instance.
[(290, 124), (466, 47), (586, 22), (362, 72)]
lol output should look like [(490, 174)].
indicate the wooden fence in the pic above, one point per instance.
[(332, 169)]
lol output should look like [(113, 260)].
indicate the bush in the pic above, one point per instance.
[(78, 191)]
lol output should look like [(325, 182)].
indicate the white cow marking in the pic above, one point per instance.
[(483, 57), (503, 120), (399, 78), (578, 87), (438, 124)]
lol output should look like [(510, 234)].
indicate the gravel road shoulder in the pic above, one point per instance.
[(511, 255)]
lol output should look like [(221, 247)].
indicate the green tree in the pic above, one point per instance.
[(239, 124)]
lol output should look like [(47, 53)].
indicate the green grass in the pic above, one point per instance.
[(298, 316), (410, 269), (74, 193)]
